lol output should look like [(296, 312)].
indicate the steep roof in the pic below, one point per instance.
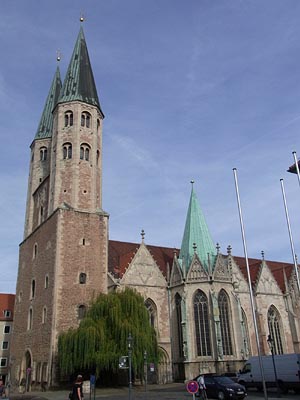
[(196, 231), (120, 255), (79, 83), (45, 126), (277, 268)]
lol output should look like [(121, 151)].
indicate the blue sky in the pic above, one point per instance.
[(190, 90)]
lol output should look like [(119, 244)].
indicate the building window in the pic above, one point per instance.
[(32, 289), (7, 313), (98, 124), (20, 296), (5, 345), (86, 119), (35, 250), (98, 156), (46, 282), (81, 311), (29, 320), (85, 152), (68, 118), (203, 340), (223, 303), (67, 151), (152, 311), (178, 302), (82, 278), (44, 316), (3, 362), (274, 325), (6, 329), (43, 153)]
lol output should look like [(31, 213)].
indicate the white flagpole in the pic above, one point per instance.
[(250, 283), (290, 233), (297, 167)]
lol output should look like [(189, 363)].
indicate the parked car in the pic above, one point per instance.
[(232, 375), (222, 387)]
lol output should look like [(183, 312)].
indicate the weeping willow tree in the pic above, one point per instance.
[(101, 337)]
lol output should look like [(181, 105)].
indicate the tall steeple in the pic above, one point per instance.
[(196, 236), (45, 126), (79, 83)]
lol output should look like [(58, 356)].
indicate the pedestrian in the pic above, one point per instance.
[(2, 389), (77, 393), (202, 387)]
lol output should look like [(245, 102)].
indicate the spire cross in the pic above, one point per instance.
[(143, 234)]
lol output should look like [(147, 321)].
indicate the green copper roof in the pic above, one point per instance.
[(196, 231), (79, 82), (46, 122)]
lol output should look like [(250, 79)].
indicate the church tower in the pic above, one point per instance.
[(63, 257)]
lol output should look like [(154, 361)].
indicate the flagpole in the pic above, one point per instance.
[(290, 232), (249, 283), (297, 167)]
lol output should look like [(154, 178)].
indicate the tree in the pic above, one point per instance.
[(101, 338)]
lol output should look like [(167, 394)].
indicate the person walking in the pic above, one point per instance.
[(77, 393), (202, 387)]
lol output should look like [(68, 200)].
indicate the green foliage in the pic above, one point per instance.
[(102, 336)]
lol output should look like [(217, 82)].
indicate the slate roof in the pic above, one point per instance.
[(45, 126), (79, 83), (120, 255)]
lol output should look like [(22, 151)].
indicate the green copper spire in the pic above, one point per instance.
[(46, 122), (79, 82), (196, 237)]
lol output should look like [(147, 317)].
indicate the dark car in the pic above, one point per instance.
[(221, 387)]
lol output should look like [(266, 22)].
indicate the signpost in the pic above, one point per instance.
[(192, 387)]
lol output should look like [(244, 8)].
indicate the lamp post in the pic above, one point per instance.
[(146, 371), (270, 342), (129, 343)]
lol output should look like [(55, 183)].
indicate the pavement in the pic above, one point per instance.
[(173, 391)]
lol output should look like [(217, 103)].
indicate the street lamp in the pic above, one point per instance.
[(129, 343), (270, 342)]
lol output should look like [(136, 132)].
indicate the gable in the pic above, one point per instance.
[(143, 270), (266, 282), (222, 271), (176, 274), (197, 272)]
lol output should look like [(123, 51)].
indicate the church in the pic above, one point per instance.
[(198, 298)]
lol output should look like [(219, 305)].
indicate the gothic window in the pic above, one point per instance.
[(98, 156), (223, 303), (246, 351), (86, 119), (203, 340), (29, 320), (82, 278), (81, 311), (152, 311), (43, 153), (46, 282), (35, 250), (274, 325), (67, 151), (178, 302), (32, 289), (44, 316), (68, 118), (85, 152)]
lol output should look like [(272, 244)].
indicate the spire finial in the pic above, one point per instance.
[(218, 248), (143, 235), (192, 182), (58, 55), (262, 255), (229, 248), (194, 247), (82, 17)]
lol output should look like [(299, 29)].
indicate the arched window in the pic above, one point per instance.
[(46, 282), (81, 311), (178, 301), (32, 289), (84, 152), (43, 153), (82, 278), (29, 320), (223, 303), (67, 151), (98, 125), (35, 250), (203, 340), (44, 316), (68, 118), (86, 119), (274, 324), (152, 311)]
